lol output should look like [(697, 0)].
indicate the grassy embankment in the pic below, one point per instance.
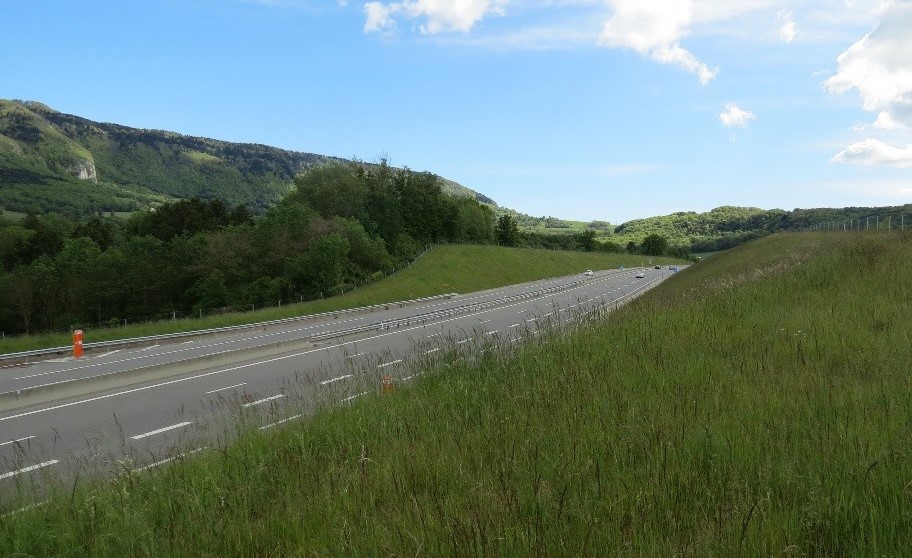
[(445, 269), (757, 404)]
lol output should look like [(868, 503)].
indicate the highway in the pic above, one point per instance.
[(185, 400)]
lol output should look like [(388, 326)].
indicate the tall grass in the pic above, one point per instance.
[(445, 269), (757, 404)]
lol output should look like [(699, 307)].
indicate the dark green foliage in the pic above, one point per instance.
[(654, 245), (507, 231), (193, 255)]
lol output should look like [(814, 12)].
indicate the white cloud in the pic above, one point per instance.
[(787, 29), (654, 28), (879, 66), (733, 116), (873, 152), (438, 15)]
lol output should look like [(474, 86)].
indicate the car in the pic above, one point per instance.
[(671, 267), (658, 267), (641, 275), (588, 273)]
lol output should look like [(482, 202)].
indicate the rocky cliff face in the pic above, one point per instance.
[(85, 170)]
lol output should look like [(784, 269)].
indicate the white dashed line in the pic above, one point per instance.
[(160, 430), (226, 388), (169, 460), (16, 441), (339, 379), (28, 469), (431, 351), (283, 421), (347, 399), (384, 365), (265, 400)]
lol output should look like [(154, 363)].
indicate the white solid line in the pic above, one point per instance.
[(327, 382), (265, 400), (160, 430), (169, 460), (283, 421), (16, 441), (432, 351), (224, 388), (27, 469), (347, 399), (389, 364)]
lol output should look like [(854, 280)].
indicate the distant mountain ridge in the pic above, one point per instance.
[(52, 161)]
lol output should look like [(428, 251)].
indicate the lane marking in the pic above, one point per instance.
[(226, 388), (431, 336), (389, 364), (108, 353), (354, 356), (25, 509), (432, 351), (160, 430), (463, 341), (16, 441), (532, 320), (484, 321), (347, 399), (339, 379), (491, 333), (148, 348), (169, 460), (283, 421), (264, 400), (513, 326), (29, 468)]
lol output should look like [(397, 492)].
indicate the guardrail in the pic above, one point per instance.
[(26, 355)]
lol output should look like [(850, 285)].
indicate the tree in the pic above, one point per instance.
[(507, 231), (654, 245), (586, 240)]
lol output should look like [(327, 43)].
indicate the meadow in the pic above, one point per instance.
[(758, 403)]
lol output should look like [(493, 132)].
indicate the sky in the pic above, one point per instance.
[(580, 109)]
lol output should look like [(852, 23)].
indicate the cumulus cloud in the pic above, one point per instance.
[(879, 66), (873, 152), (438, 16), (654, 28), (733, 116), (787, 27)]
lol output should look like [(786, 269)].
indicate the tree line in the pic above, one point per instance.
[(341, 226)]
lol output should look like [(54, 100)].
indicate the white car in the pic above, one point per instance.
[(641, 275), (588, 273)]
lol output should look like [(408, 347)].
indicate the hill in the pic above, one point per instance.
[(56, 162), (755, 404)]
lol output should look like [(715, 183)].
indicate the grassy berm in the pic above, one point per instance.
[(757, 404)]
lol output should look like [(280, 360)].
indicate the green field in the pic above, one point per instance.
[(757, 404), (445, 269)]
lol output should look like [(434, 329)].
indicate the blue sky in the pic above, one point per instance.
[(580, 109)]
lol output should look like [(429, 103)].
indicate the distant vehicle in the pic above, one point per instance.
[(658, 267), (588, 273), (671, 267), (640, 275)]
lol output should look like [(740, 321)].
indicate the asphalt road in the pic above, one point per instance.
[(146, 425)]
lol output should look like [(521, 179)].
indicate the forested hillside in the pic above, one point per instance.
[(341, 226), (55, 162)]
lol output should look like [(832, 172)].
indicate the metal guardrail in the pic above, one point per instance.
[(184, 334)]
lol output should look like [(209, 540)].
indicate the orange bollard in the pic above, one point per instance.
[(386, 385), (77, 343)]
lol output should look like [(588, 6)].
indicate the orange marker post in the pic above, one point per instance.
[(386, 385), (77, 343)]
